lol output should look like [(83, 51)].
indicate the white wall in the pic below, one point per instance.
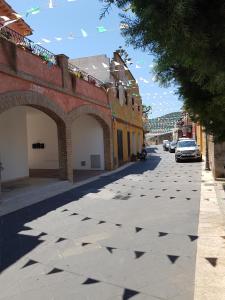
[(98, 71), (42, 129), (13, 144), (87, 139)]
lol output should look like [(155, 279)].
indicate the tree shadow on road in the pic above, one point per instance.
[(14, 245)]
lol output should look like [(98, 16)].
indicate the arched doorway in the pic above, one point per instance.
[(91, 141), (33, 137)]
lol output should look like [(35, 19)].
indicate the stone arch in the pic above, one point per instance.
[(53, 110), (105, 124)]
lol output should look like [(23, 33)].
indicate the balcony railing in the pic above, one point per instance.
[(84, 75), (25, 43)]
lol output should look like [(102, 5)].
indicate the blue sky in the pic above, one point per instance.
[(67, 18)]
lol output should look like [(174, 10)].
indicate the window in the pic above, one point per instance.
[(126, 97), (117, 93), (132, 101), (138, 107)]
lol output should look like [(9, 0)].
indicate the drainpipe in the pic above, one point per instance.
[(207, 167)]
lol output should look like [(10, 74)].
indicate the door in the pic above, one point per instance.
[(120, 145), (128, 143)]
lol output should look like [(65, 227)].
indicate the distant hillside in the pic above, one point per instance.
[(165, 122)]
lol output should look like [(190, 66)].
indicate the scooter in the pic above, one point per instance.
[(143, 155)]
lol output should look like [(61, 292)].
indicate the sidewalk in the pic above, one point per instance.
[(35, 194), (210, 260)]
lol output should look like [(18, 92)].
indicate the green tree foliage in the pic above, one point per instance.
[(187, 38), (124, 55), (146, 109)]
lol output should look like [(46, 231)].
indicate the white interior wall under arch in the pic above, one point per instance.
[(20, 127), (13, 144), (87, 140), (42, 129)]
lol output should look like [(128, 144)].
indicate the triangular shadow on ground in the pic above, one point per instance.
[(12, 224)]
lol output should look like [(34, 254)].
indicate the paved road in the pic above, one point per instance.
[(130, 235)]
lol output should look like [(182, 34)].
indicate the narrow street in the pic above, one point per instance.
[(130, 235)]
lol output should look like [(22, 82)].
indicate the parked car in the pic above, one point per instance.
[(184, 139), (166, 144), (172, 146), (187, 150)]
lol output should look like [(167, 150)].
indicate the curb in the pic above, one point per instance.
[(21, 200)]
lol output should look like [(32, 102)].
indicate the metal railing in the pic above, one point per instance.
[(23, 42), (84, 75)]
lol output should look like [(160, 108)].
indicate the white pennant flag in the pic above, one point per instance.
[(84, 33), (105, 65), (46, 40), (4, 18), (50, 4)]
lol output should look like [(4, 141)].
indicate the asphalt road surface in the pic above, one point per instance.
[(131, 235)]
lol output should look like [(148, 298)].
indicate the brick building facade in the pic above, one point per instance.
[(47, 87)]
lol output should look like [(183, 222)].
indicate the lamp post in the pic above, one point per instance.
[(207, 167)]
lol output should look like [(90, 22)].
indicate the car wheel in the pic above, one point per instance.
[(199, 159), (177, 159)]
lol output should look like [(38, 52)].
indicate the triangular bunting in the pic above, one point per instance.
[(118, 225), (137, 229), (193, 237), (188, 198), (110, 249), (172, 197), (90, 281), (138, 254), (163, 233), (85, 244), (127, 294), (85, 219), (54, 270), (30, 263), (172, 258), (60, 240), (74, 214), (65, 210), (212, 260)]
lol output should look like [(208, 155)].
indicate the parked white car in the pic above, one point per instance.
[(187, 150), (166, 144)]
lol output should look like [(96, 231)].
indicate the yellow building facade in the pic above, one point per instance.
[(126, 106), (200, 137)]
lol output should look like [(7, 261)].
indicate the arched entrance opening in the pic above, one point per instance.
[(32, 135), (91, 143)]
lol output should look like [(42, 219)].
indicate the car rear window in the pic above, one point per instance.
[(186, 144)]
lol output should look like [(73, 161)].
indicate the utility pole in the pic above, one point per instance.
[(207, 167)]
